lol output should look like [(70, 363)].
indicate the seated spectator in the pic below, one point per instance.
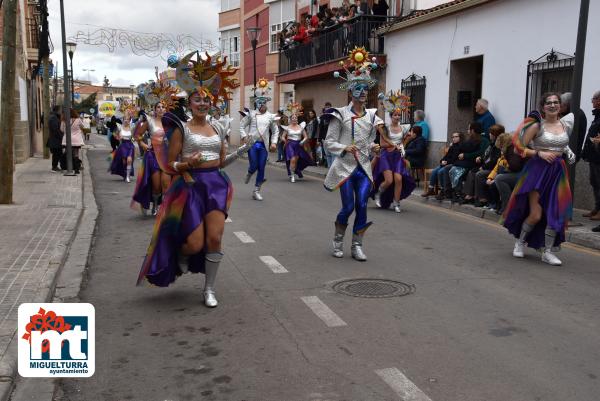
[(419, 116), (507, 170), (471, 149), (475, 189), (436, 180), (416, 149)]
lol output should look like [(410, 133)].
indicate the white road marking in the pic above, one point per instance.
[(406, 390), (245, 238), (273, 264), (228, 220), (323, 312)]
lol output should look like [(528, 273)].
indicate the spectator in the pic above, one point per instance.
[(416, 149), (472, 148), (475, 189), (87, 129), (76, 138), (283, 120), (55, 139), (419, 116), (507, 170), (112, 130), (567, 115), (484, 117), (380, 8), (323, 127), (591, 154), (312, 131), (436, 180)]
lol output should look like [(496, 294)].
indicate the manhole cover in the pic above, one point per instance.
[(373, 288)]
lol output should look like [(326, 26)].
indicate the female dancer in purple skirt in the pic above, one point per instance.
[(295, 137), (541, 203), (148, 186), (391, 171), (122, 162), (190, 224)]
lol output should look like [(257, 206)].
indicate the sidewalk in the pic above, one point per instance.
[(580, 232), (36, 234)]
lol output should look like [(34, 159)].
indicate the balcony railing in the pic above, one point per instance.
[(334, 43)]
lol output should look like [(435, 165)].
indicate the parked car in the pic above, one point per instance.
[(101, 126)]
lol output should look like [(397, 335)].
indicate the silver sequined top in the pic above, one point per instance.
[(396, 138), (209, 147), (154, 129), (546, 140), (293, 135), (125, 134)]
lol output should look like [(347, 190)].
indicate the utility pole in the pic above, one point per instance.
[(7, 101), (584, 9), (45, 55), (66, 98)]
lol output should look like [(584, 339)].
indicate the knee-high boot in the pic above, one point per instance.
[(338, 240), (211, 266)]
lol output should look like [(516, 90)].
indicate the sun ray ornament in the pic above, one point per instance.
[(293, 109), (395, 101), (357, 69), (161, 91), (207, 75)]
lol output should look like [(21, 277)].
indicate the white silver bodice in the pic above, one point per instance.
[(546, 140), (125, 134), (153, 129), (293, 135), (397, 137), (209, 147)]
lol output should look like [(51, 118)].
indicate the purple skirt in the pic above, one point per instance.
[(294, 149), (551, 180), (394, 162), (119, 162), (143, 188), (183, 209)]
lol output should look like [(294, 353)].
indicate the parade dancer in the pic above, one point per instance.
[(148, 187), (391, 171), (541, 203), (190, 224), (295, 138), (255, 126), (122, 158), (350, 138)]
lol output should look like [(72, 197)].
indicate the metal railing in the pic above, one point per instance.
[(334, 43)]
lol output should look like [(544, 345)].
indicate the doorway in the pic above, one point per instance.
[(465, 88)]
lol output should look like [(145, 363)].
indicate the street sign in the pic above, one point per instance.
[(92, 110)]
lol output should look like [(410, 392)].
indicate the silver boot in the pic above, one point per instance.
[(256, 194), (338, 240), (378, 197), (211, 267), (357, 252)]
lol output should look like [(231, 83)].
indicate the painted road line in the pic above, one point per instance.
[(228, 220), (245, 238), (323, 312), (406, 390), (273, 264)]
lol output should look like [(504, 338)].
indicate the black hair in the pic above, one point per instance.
[(476, 127), (417, 130)]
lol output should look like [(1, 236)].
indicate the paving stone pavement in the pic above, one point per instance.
[(35, 233)]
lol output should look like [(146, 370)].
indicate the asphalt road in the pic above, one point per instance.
[(480, 325)]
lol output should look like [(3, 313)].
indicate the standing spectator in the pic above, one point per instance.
[(323, 127), (591, 154), (416, 149), (112, 130), (55, 139), (380, 8), (567, 115), (484, 117), (281, 144), (76, 138), (419, 116), (312, 131), (86, 130)]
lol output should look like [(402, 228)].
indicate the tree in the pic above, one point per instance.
[(86, 104)]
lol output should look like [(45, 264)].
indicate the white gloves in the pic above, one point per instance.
[(570, 155)]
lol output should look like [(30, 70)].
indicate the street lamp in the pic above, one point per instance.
[(66, 101), (254, 36), (132, 87), (71, 49), (88, 71)]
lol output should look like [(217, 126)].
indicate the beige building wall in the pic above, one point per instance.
[(321, 91)]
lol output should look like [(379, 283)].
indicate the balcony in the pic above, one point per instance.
[(334, 44)]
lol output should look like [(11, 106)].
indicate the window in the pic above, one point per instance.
[(413, 86), (281, 13), (229, 5), (553, 72), (230, 46)]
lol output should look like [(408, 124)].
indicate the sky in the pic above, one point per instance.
[(198, 18)]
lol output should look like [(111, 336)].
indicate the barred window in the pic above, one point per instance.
[(413, 86)]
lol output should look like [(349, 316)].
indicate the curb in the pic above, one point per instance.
[(64, 281), (574, 235)]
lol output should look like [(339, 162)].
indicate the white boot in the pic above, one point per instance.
[(397, 207), (293, 178), (338, 240), (550, 258), (211, 266), (256, 194), (378, 197), (519, 249), (357, 252), (128, 174)]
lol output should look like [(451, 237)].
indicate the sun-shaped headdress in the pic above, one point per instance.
[(160, 91), (395, 101), (128, 106), (357, 68), (261, 92), (207, 76), (292, 109)]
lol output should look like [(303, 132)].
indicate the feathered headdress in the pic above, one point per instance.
[(261, 92), (160, 91), (358, 60), (207, 76), (293, 109), (127, 106), (395, 102)]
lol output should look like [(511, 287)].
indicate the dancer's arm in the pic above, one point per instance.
[(175, 146), (245, 124), (332, 140), (275, 131)]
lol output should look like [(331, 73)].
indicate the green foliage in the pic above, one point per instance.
[(85, 105)]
